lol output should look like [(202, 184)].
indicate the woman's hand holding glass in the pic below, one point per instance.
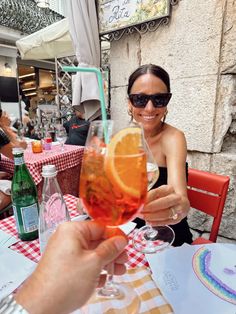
[(153, 237), (160, 205)]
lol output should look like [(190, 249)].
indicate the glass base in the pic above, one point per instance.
[(152, 239), (110, 291), (125, 300)]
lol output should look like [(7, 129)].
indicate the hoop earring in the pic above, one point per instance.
[(164, 118), (130, 113)]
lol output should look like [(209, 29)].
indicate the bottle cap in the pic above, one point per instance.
[(17, 150), (49, 171), (48, 140)]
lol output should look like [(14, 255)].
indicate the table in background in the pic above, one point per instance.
[(67, 162)]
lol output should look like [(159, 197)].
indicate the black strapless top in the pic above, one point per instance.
[(181, 229)]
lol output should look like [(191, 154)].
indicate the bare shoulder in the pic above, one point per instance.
[(170, 131), (173, 138)]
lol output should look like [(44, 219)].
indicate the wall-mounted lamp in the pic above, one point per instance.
[(7, 68), (42, 3)]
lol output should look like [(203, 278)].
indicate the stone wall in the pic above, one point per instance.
[(197, 48)]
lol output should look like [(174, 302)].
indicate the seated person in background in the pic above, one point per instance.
[(5, 193), (77, 129), (30, 132), (5, 198), (8, 138)]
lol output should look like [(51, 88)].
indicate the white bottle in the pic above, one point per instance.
[(53, 210)]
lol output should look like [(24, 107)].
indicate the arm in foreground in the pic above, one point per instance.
[(69, 271)]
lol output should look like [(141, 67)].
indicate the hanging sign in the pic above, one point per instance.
[(118, 14)]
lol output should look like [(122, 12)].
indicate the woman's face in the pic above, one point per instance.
[(150, 117)]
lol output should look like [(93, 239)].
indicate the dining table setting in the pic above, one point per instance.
[(67, 161), (172, 281)]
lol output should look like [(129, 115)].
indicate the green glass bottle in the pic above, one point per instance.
[(24, 199)]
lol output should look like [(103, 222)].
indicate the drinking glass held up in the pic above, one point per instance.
[(113, 185)]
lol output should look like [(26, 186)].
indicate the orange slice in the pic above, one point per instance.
[(125, 163)]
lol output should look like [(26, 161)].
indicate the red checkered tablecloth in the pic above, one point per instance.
[(31, 248), (69, 158)]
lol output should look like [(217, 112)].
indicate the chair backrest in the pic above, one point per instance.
[(207, 192)]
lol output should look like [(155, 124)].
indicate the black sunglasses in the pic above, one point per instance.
[(158, 100)]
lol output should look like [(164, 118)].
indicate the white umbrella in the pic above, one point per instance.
[(83, 27), (53, 41)]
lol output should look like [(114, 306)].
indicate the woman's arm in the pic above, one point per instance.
[(175, 149), (167, 200)]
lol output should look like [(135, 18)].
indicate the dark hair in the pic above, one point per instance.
[(152, 69)]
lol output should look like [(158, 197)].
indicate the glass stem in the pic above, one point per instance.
[(110, 289), (151, 233)]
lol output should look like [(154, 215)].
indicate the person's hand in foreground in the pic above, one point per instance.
[(69, 270), (162, 204)]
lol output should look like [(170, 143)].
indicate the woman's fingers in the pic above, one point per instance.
[(160, 192), (162, 203)]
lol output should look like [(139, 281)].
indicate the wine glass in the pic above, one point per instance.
[(150, 239), (113, 188), (61, 136)]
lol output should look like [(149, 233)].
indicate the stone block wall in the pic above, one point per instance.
[(197, 48)]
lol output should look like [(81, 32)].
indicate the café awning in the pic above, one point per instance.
[(53, 41)]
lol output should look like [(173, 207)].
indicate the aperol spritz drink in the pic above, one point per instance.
[(113, 184), (107, 200)]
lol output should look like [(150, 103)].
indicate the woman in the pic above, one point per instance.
[(149, 94)]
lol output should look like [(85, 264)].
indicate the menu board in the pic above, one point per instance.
[(118, 14)]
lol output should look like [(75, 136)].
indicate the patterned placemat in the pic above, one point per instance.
[(149, 298)]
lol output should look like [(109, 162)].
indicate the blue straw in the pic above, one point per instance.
[(100, 84)]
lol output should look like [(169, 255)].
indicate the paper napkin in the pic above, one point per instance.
[(197, 278), (11, 276), (6, 240), (128, 227)]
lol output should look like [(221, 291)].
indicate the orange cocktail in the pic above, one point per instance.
[(113, 187), (113, 179)]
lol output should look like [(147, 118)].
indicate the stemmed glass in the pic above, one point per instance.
[(113, 188), (61, 136), (150, 239)]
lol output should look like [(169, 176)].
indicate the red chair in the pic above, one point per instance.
[(207, 192)]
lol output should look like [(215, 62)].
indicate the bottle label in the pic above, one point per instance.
[(18, 160), (29, 218)]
